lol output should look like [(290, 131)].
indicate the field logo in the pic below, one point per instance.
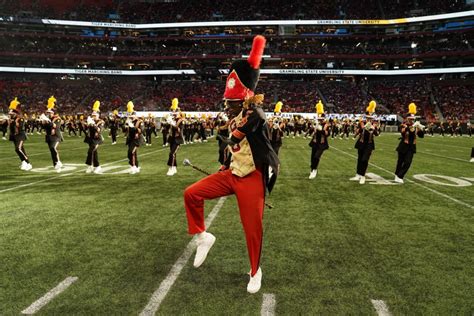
[(448, 181), (437, 179), (69, 167)]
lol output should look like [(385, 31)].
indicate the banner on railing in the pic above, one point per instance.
[(287, 115), (179, 72), (257, 23)]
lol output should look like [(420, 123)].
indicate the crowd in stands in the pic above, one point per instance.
[(392, 95), (276, 46), (129, 11), (455, 100), (397, 94)]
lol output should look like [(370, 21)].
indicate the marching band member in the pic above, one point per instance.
[(251, 170), (410, 130), (149, 123), (94, 138), (222, 131), (18, 134), (175, 136), (52, 125), (4, 125), (319, 140), (114, 126), (276, 127), (365, 144), (165, 128), (134, 137)]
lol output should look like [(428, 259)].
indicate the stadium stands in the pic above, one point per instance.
[(207, 10), (454, 97)]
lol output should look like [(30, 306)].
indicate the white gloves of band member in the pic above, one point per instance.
[(90, 121), (171, 121), (44, 118), (369, 127), (418, 125), (319, 127)]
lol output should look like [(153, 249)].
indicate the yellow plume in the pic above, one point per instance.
[(130, 107), (278, 107), (371, 107), (51, 102), (115, 112), (320, 108), (174, 104), (96, 106), (14, 103), (412, 108)]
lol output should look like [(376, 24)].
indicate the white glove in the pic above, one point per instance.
[(319, 127), (224, 117), (90, 121), (44, 118), (130, 124), (418, 125)]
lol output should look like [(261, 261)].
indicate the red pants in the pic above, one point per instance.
[(250, 195)]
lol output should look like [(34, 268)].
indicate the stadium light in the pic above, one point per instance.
[(414, 45), (114, 48)]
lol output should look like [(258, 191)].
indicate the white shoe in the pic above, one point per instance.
[(313, 174), (23, 165), (204, 243), (255, 282), (174, 169), (170, 171), (114, 143), (398, 180), (4, 138), (28, 167), (132, 170), (89, 169), (362, 180), (98, 170), (472, 160), (58, 166), (356, 178), (137, 169)]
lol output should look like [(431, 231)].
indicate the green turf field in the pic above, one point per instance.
[(330, 245)]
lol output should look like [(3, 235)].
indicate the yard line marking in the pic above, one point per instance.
[(42, 301), (411, 181), (68, 174), (381, 308), (425, 153), (268, 305), (159, 295)]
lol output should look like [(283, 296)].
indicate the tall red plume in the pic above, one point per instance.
[(256, 53)]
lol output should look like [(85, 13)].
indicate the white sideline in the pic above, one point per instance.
[(68, 174), (411, 181), (42, 301), (381, 308), (159, 295), (268, 305)]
